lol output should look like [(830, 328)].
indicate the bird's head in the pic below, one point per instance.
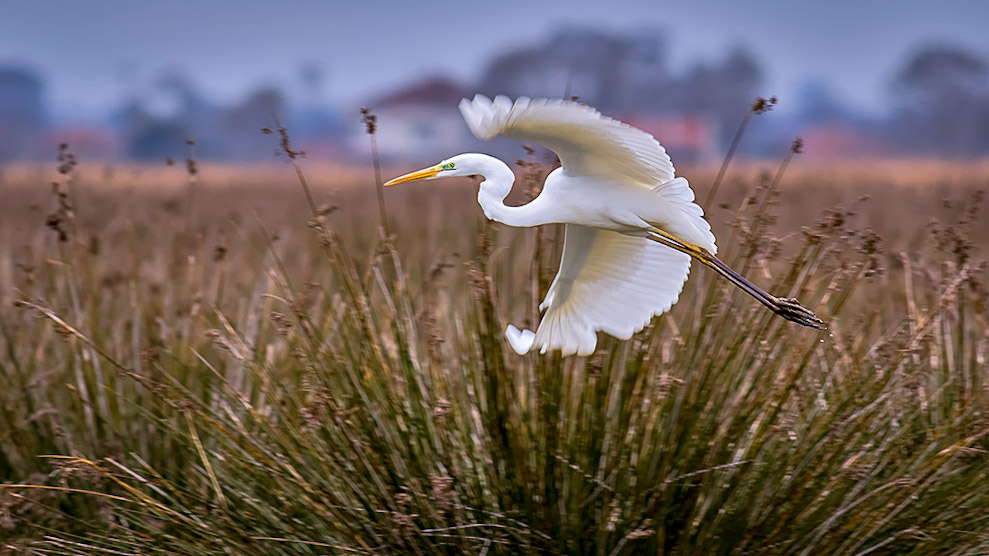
[(469, 164)]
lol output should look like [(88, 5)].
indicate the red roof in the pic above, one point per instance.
[(435, 91), (837, 141)]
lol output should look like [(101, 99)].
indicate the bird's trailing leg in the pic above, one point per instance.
[(788, 308)]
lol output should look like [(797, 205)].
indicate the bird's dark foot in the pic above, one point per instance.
[(791, 309)]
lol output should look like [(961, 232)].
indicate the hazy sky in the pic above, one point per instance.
[(90, 50)]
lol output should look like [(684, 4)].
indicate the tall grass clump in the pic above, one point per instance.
[(243, 386)]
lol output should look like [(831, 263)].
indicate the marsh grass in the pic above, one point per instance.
[(281, 380)]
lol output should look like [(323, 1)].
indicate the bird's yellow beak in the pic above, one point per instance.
[(423, 174)]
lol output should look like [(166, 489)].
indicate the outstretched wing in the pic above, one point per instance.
[(587, 142), (609, 282)]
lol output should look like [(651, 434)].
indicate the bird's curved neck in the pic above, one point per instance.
[(497, 184)]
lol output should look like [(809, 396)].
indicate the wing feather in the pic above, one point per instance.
[(587, 142), (609, 282)]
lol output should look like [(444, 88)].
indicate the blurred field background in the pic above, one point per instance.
[(133, 85), (196, 359)]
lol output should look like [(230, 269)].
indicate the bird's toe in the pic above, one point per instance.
[(520, 340)]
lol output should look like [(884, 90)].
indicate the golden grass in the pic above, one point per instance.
[(212, 369)]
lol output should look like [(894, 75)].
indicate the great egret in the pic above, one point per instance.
[(631, 226)]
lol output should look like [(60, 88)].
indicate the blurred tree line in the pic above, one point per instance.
[(938, 101), (626, 73), (23, 115), (941, 99)]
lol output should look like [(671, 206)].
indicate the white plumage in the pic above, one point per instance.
[(588, 143), (610, 282), (607, 281), (623, 208)]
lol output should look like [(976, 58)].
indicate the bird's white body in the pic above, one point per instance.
[(618, 206), (611, 278), (615, 191)]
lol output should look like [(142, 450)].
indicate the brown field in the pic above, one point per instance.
[(904, 203), (200, 365)]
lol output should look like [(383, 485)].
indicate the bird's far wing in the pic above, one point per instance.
[(679, 193), (587, 142), (607, 281)]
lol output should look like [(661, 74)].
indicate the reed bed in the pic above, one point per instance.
[(214, 367)]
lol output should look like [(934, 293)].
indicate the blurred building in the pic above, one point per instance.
[(87, 142), (687, 138), (421, 121), (826, 142)]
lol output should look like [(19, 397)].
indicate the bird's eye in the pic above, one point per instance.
[(448, 166)]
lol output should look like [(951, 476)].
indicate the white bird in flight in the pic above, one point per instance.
[(631, 225)]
